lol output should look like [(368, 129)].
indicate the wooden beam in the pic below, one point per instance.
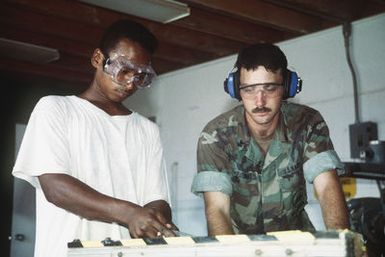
[(230, 28), (337, 11), (61, 32), (85, 23), (45, 70), (172, 52), (32, 36), (177, 54), (162, 66), (372, 7), (21, 16), (264, 13)]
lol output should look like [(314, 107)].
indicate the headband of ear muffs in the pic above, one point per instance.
[(292, 84)]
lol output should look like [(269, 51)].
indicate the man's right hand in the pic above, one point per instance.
[(75, 196), (148, 222)]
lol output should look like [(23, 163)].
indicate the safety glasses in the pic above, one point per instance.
[(267, 89)]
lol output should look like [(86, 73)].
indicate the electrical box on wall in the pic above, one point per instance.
[(370, 151), (360, 136)]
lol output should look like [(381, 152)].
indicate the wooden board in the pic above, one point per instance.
[(283, 243)]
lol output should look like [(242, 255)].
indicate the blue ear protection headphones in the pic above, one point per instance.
[(292, 84)]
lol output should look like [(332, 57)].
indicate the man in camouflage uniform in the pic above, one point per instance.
[(254, 159)]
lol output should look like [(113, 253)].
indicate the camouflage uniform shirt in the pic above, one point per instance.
[(267, 192)]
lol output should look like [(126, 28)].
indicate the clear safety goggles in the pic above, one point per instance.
[(267, 89), (123, 72)]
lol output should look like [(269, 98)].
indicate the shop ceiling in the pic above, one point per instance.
[(70, 30)]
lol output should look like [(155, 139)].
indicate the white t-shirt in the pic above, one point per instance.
[(120, 156)]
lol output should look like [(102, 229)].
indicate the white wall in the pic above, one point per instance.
[(185, 100)]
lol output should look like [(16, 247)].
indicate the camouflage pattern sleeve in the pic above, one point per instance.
[(217, 153), (319, 154), (212, 165)]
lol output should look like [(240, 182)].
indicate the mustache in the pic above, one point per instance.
[(260, 109)]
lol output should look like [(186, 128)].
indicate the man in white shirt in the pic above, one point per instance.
[(97, 166)]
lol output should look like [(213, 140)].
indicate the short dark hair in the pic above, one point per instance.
[(127, 29), (267, 55)]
